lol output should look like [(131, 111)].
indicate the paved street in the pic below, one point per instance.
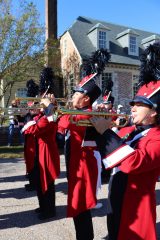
[(18, 221)]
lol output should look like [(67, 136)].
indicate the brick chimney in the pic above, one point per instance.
[(51, 18)]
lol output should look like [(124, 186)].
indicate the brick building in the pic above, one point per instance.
[(83, 38), (124, 43)]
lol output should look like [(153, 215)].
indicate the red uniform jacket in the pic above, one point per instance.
[(142, 164), (45, 132), (29, 151), (83, 168)]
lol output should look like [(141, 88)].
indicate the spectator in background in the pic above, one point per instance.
[(13, 123)]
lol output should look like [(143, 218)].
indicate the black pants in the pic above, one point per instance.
[(31, 178), (117, 191), (83, 226), (46, 200)]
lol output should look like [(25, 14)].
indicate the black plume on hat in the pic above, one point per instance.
[(107, 92), (96, 63), (108, 86), (149, 91), (90, 69), (46, 81), (32, 88), (150, 64)]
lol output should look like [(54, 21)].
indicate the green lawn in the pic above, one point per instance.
[(11, 152)]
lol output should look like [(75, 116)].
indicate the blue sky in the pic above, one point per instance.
[(141, 14)]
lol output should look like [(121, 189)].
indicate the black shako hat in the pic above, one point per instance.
[(88, 86), (91, 68)]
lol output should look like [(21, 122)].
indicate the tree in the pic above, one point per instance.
[(71, 71), (22, 43)]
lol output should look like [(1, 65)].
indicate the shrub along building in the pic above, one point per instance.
[(125, 44)]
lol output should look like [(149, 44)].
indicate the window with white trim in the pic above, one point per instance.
[(102, 39), (105, 78), (135, 81), (132, 45)]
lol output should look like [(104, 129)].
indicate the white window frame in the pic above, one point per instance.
[(105, 76), (133, 49), (102, 39), (135, 82)]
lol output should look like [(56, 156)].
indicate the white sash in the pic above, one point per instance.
[(139, 135), (116, 169)]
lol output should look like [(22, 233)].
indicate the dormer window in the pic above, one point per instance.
[(132, 45), (102, 39), (98, 35), (128, 39), (150, 40)]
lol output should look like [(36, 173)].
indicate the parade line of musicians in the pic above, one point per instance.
[(130, 153)]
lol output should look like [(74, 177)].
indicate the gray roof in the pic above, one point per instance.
[(99, 25), (128, 31), (83, 25)]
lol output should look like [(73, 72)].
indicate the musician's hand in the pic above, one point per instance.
[(100, 107), (49, 98), (45, 102), (101, 124)]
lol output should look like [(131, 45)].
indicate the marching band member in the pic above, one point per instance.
[(29, 139), (107, 105), (84, 165), (134, 156), (84, 159), (47, 162), (29, 154)]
